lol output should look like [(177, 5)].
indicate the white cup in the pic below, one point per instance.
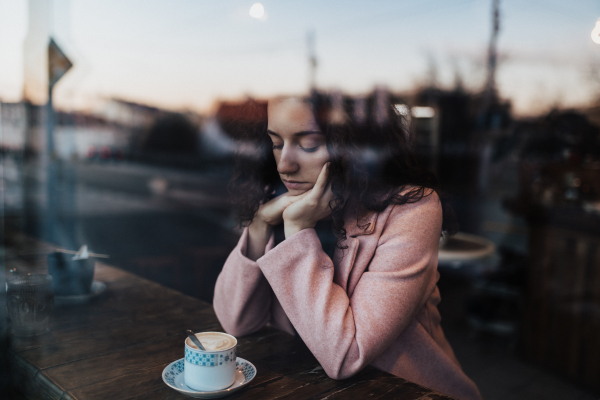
[(212, 369)]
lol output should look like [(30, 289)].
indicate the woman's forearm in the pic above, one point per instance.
[(242, 299), (338, 330), (259, 233)]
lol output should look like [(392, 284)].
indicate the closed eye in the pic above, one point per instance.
[(310, 149), (277, 146)]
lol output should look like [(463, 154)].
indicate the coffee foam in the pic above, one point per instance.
[(213, 341)]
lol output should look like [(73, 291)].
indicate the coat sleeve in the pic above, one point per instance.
[(346, 334), (242, 299)]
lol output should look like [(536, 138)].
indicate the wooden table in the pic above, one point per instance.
[(117, 346)]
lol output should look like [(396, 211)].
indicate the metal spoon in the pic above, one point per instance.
[(194, 339)]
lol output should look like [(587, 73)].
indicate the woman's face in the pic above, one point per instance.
[(298, 144)]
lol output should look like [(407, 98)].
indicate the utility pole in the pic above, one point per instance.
[(58, 65), (312, 60), (490, 85), (490, 95)]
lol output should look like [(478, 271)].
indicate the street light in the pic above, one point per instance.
[(257, 11), (596, 32)]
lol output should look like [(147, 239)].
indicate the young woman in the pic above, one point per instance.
[(346, 255)]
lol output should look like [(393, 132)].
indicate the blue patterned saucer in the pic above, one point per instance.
[(173, 376)]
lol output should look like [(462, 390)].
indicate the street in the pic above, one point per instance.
[(171, 226)]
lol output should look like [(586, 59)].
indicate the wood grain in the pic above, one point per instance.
[(117, 346)]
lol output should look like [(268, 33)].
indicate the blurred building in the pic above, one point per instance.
[(457, 137), (23, 127), (121, 129), (559, 196), (12, 126)]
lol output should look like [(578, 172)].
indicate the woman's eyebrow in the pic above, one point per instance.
[(304, 133), (301, 133)]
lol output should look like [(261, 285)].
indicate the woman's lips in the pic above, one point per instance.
[(293, 184)]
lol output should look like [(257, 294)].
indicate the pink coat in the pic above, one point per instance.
[(374, 303)]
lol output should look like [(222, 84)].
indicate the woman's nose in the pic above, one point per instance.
[(287, 162)]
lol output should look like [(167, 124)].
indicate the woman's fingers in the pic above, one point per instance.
[(321, 185), (271, 212), (289, 199), (315, 202), (283, 201), (328, 196)]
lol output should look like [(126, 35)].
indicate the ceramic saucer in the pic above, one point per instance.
[(97, 289), (173, 376)]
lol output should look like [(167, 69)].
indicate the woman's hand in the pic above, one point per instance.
[(271, 213), (310, 207), (267, 216)]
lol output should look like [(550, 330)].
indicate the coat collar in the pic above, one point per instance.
[(365, 226), (347, 272)]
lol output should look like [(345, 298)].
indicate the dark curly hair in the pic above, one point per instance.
[(372, 162)]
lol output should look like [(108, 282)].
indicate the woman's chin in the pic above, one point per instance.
[(297, 192)]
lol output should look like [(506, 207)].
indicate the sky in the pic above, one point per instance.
[(188, 54)]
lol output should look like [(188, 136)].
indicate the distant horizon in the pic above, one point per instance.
[(188, 55), (210, 111)]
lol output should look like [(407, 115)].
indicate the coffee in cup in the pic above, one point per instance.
[(213, 368)]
